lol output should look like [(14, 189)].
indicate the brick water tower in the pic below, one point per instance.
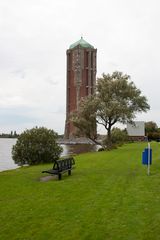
[(81, 78)]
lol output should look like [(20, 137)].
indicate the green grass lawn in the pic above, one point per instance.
[(108, 196)]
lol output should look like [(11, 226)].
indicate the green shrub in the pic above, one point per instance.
[(37, 145), (119, 136), (153, 136)]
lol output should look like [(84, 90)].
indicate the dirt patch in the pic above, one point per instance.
[(47, 178)]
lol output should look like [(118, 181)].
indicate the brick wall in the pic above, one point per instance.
[(81, 80)]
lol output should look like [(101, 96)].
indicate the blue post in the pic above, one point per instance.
[(147, 157)]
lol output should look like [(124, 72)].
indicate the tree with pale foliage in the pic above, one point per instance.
[(85, 118), (117, 99)]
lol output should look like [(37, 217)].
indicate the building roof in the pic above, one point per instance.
[(82, 43)]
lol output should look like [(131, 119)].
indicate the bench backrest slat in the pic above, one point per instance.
[(63, 164)]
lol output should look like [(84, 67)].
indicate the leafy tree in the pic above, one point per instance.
[(155, 136), (151, 127), (117, 100), (152, 131), (37, 145)]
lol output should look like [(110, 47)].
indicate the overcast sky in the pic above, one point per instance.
[(34, 37)]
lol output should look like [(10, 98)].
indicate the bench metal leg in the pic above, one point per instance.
[(59, 176), (69, 172)]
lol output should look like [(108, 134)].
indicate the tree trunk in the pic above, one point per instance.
[(109, 142)]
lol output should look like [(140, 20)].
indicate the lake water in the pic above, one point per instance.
[(6, 161)]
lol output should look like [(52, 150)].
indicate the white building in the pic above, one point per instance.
[(136, 131)]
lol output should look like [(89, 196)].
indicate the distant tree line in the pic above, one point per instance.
[(12, 134)]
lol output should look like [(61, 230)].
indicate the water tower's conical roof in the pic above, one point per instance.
[(82, 43)]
